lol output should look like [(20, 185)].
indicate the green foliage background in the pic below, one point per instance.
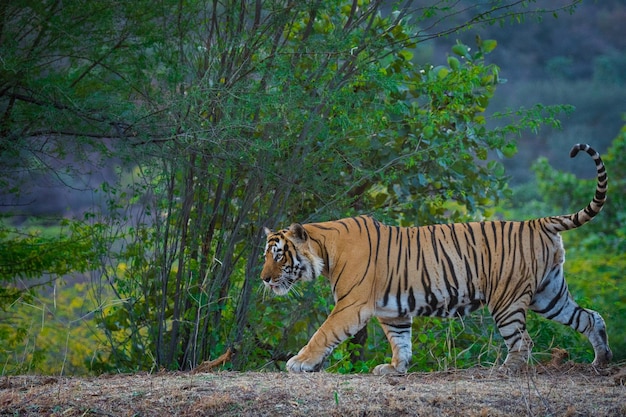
[(213, 119)]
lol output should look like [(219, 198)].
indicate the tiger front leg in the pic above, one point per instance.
[(340, 325), (398, 332)]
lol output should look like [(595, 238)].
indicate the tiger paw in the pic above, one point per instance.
[(603, 357), (512, 369), (386, 369), (299, 364)]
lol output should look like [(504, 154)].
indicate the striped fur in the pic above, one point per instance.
[(396, 273)]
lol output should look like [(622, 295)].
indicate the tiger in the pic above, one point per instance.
[(441, 270)]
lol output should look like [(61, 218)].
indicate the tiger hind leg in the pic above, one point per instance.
[(553, 301), (398, 332), (511, 323)]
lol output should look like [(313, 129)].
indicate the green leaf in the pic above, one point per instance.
[(489, 45), (405, 54), (461, 50), (454, 63), (509, 150), (442, 72)]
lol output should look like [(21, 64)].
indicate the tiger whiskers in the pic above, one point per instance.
[(263, 289), (290, 291), (294, 292)]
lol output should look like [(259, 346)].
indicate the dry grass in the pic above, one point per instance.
[(563, 390)]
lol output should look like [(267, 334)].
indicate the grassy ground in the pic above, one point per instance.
[(564, 390)]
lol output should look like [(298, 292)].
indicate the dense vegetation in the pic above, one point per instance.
[(144, 147)]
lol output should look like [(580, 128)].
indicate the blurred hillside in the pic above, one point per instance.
[(577, 59)]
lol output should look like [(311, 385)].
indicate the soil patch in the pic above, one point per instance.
[(564, 390)]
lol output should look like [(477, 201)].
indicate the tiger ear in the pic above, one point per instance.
[(267, 231), (298, 232)]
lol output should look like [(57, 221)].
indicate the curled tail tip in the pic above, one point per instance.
[(581, 147), (581, 217)]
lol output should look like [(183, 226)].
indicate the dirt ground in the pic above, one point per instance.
[(564, 390)]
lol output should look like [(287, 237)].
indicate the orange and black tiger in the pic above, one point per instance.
[(443, 270)]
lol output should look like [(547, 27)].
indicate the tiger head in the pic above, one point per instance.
[(289, 259)]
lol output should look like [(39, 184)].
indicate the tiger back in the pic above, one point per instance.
[(396, 273)]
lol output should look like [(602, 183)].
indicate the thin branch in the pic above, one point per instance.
[(99, 60)]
